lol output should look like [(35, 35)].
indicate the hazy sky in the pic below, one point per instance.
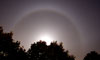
[(75, 23)]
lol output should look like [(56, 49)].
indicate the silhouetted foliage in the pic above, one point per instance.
[(10, 50), (92, 56), (54, 51)]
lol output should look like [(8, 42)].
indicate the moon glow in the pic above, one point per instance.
[(48, 26)]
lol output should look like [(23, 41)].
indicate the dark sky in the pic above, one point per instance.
[(73, 22)]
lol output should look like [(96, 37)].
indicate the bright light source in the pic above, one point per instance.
[(46, 38)]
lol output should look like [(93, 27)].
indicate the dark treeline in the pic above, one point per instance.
[(11, 50)]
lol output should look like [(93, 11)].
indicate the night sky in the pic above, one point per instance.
[(73, 22)]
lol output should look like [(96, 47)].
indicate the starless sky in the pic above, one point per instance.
[(75, 23)]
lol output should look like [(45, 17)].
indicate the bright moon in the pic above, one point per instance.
[(47, 39)]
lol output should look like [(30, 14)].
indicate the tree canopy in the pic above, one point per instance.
[(54, 51), (93, 55), (11, 50)]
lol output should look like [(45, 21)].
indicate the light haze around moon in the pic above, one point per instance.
[(76, 23), (45, 22)]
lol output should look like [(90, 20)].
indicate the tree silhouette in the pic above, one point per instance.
[(10, 50), (92, 56), (54, 51), (37, 51)]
